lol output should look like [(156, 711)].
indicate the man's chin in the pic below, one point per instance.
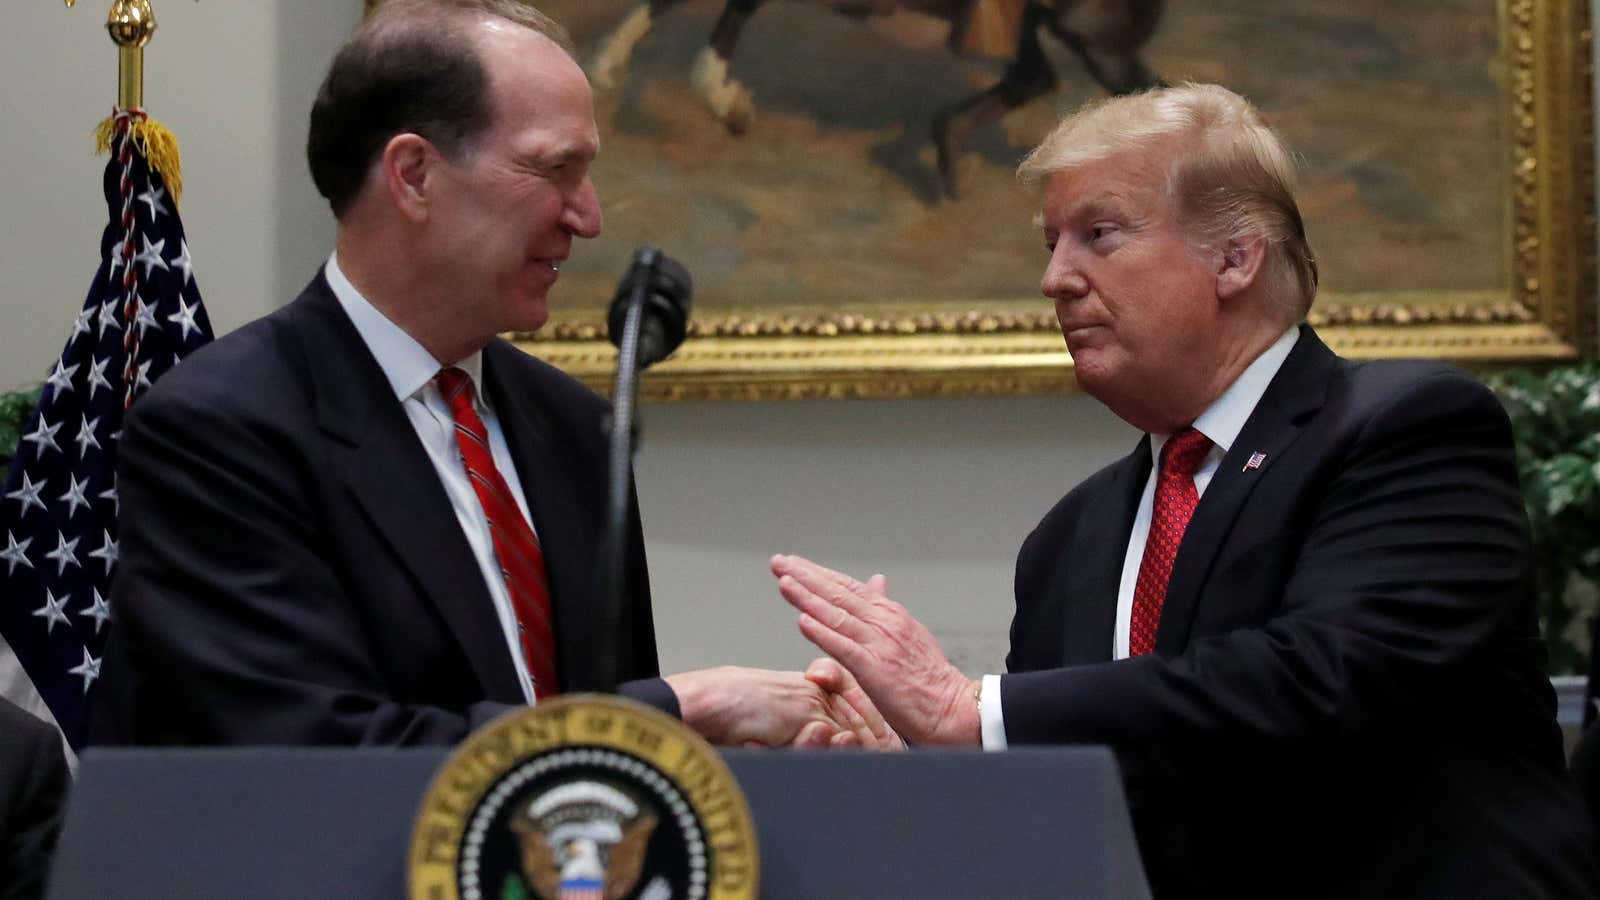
[(528, 317), (1091, 371), (1082, 352)]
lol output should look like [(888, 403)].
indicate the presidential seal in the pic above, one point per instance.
[(586, 797)]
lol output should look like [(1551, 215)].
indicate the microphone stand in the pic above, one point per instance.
[(622, 434)]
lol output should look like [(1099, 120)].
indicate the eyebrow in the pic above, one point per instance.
[(1100, 204), (570, 154)]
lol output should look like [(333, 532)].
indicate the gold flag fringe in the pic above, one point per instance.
[(155, 141)]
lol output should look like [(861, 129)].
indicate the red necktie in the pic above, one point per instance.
[(515, 545), (1176, 498)]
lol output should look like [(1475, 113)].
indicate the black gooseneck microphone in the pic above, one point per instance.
[(648, 319), (660, 288)]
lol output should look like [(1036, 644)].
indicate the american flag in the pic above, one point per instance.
[(58, 508)]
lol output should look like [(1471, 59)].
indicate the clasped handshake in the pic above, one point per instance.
[(884, 682)]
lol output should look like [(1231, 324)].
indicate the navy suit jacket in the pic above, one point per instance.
[(33, 799), (1347, 696), (292, 571)]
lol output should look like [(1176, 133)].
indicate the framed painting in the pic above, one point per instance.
[(838, 176)]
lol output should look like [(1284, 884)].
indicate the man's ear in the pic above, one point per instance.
[(1240, 265), (406, 169)]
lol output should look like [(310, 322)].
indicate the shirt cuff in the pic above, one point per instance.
[(990, 716)]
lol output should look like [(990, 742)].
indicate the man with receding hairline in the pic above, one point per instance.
[(365, 518), (1299, 611)]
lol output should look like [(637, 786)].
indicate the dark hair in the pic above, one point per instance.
[(412, 68)]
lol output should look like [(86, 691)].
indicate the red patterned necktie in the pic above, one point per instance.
[(1176, 498), (515, 545)]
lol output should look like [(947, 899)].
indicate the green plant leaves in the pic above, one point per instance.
[(14, 409), (1555, 418)]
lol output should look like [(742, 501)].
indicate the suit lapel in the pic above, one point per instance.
[(554, 503), (1090, 620), (1299, 389), (395, 484)]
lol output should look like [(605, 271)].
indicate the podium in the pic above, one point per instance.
[(301, 823)]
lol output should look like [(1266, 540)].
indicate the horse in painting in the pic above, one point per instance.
[(1105, 35)]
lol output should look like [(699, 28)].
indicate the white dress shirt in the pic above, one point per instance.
[(1221, 422), (410, 369)]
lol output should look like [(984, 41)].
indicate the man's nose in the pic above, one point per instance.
[(582, 216), (1062, 279)]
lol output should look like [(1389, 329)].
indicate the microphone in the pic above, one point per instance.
[(664, 318), (648, 319)]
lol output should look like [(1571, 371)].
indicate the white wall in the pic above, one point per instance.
[(935, 493)]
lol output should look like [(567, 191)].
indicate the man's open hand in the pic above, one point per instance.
[(895, 659)]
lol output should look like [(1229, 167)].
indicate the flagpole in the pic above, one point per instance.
[(131, 23)]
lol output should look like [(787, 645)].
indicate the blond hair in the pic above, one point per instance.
[(1231, 177)]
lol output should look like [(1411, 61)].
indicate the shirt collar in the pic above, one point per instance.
[(406, 363), (1225, 417)]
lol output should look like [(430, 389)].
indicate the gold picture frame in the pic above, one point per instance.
[(1545, 310)]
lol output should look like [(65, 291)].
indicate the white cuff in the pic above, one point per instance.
[(990, 717)]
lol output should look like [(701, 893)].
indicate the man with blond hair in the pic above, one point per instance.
[(1299, 611)]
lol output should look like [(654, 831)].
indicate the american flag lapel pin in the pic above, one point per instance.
[(1255, 461)]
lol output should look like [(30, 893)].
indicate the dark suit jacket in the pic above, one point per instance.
[(1348, 696), (33, 796), (292, 571)]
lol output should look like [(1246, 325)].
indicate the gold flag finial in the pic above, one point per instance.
[(131, 24)]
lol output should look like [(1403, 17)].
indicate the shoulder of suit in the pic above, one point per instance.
[(254, 368), (1382, 402), (1400, 372), (554, 387), (1386, 382)]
